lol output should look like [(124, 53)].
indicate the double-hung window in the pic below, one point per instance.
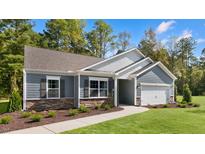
[(53, 87), (98, 87)]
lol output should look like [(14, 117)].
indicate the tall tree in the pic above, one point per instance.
[(123, 41), (64, 34), (185, 49), (100, 39), (14, 34), (153, 48), (148, 44), (173, 53)]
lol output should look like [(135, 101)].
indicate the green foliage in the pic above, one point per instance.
[(83, 108), (15, 102), (97, 106), (52, 114), (14, 34), (36, 117), (182, 105), (4, 107), (196, 105), (186, 93), (165, 105), (106, 106), (100, 39), (65, 34), (25, 114), (5, 120), (73, 112), (190, 103)]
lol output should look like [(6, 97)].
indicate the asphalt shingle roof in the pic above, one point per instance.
[(50, 60)]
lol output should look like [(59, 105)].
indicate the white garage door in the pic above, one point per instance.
[(152, 95)]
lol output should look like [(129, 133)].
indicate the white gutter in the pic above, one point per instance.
[(96, 73), (49, 72)]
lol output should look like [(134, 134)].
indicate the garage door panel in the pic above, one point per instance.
[(152, 95)]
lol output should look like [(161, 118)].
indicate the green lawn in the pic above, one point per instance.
[(4, 105), (154, 121)]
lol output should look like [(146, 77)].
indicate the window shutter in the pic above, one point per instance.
[(62, 88), (43, 88), (86, 84)]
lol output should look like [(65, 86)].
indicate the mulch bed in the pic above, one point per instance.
[(61, 115), (170, 105)]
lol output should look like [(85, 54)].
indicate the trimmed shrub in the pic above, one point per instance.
[(165, 106), (97, 106), (190, 103), (178, 104), (73, 112), (196, 105), (182, 106), (5, 120), (51, 114), (184, 102), (36, 117), (25, 114), (15, 102), (186, 93), (4, 107), (154, 106), (83, 108), (107, 107)]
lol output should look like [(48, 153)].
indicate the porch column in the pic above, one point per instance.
[(135, 91), (24, 90), (115, 92), (78, 105), (77, 91)]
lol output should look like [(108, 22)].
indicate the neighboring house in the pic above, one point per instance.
[(54, 79)]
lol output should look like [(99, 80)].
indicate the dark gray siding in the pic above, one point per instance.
[(33, 85), (69, 85), (84, 86), (155, 75), (126, 92)]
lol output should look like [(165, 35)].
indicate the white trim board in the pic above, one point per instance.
[(155, 84), (133, 49), (134, 65)]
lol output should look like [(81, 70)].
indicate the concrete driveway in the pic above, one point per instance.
[(59, 127)]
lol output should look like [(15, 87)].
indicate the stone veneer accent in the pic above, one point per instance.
[(92, 102), (49, 104)]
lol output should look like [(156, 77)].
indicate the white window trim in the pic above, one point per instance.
[(52, 78), (97, 79)]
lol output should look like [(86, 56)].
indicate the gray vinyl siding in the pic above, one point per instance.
[(155, 75), (125, 74), (118, 63), (83, 85), (33, 85)]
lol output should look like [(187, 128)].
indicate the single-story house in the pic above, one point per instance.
[(54, 79)]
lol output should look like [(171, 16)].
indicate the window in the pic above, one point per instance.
[(98, 87), (103, 89), (53, 87)]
